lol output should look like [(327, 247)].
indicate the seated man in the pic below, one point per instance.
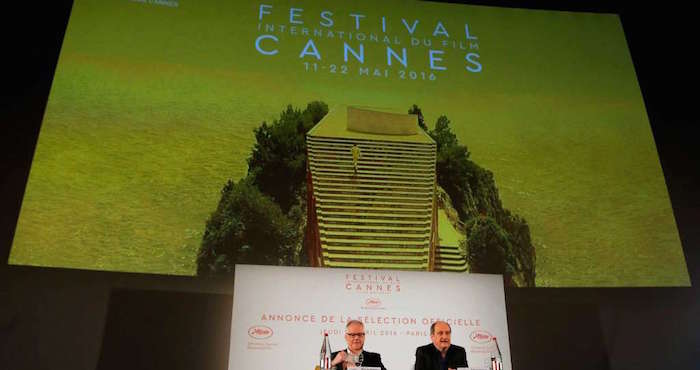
[(440, 354), (354, 355)]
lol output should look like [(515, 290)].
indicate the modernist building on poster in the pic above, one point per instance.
[(372, 194)]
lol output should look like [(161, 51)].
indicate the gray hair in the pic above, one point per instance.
[(354, 322)]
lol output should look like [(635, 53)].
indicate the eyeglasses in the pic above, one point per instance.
[(355, 335)]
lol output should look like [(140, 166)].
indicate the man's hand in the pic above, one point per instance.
[(340, 357)]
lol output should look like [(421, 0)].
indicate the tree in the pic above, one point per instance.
[(497, 240), (421, 122), (488, 247), (523, 250), (247, 227), (443, 135), (314, 112), (452, 165), (260, 219), (452, 169), (277, 165)]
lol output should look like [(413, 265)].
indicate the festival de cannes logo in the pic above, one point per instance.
[(373, 283), (259, 332), (373, 302), (480, 336)]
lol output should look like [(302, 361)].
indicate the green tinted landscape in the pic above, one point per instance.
[(152, 110)]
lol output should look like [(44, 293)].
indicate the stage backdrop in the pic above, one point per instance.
[(281, 313), (185, 137)]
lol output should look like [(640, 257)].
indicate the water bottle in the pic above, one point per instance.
[(496, 357), (325, 361)]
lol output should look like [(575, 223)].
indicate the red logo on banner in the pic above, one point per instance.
[(480, 336), (259, 332), (373, 302)]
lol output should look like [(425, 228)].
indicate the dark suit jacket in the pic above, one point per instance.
[(369, 359), (428, 357)]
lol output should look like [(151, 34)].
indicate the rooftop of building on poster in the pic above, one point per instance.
[(370, 123)]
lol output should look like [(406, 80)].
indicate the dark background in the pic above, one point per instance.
[(71, 319)]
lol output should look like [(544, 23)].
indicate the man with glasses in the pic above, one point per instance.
[(440, 354), (355, 355)]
